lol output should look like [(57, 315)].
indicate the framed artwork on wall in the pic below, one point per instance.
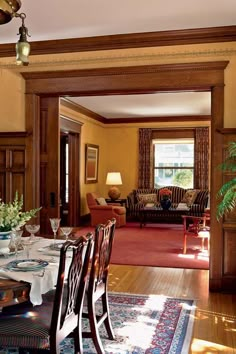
[(91, 163)]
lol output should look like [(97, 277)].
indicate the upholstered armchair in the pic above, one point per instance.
[(101, 213)]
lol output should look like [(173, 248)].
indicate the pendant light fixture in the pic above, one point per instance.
[(8, 10)]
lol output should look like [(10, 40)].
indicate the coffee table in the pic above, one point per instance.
[(155, 214)]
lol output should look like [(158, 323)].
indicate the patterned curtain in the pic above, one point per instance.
[(144, 176), (201, 177)]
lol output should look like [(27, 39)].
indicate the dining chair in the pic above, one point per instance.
[(198, 227), (42, 328), (97, 289)]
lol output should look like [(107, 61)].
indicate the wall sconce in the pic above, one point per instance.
[(114, 179), (8, 10)]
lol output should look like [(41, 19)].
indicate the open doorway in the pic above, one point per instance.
[(205, 76)]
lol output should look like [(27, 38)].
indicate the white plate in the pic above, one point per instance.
[(27, 264)]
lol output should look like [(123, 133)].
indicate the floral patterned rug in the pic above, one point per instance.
[(150, 324)]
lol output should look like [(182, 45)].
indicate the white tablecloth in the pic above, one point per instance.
[(41, 281)]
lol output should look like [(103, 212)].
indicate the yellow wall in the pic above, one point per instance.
[(118, 144), (12, 101)]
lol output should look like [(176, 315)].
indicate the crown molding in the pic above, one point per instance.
[(171, 119), (124, 41), (82, 110)]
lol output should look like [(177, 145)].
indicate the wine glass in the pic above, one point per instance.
[(66, 230), (55, 223), (32, 229)]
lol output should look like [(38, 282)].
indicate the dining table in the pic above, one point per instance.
[(30, 273)]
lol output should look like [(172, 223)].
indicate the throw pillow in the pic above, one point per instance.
[(101, 201), (182, 206), (189, 197), (147, 198)]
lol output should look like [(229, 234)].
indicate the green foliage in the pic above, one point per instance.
[(12, 216), (227, 192), (183, 178)]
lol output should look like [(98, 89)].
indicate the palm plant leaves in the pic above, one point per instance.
[(228, 191)]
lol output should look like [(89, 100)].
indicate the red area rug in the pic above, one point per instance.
[(157, 245)]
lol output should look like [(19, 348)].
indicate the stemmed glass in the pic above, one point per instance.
[(16, 241), (66, 231), (55, 223), (32, 229)]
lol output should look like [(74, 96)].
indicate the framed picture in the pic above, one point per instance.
[(91, 163)]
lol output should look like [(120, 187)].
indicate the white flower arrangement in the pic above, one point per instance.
[(12, 216)]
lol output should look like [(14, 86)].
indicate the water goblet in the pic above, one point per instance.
[(32, 229), (17, 241), (66, 230), (55, 223), (27, 244)]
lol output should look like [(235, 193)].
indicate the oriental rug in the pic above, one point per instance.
[(142, 324)]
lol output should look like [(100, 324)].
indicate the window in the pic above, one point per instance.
[(173, 162)]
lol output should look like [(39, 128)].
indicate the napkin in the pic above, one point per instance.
[(39, 284)]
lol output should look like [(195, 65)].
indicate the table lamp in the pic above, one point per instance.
[(114, 179)]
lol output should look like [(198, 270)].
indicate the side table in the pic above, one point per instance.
[(121, 201)]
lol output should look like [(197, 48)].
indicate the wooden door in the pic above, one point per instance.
[(69, 171), (49, 162)]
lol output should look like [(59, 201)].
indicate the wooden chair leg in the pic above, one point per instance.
[(207, 244), (78, 337), (94, 328), (203, 241), (185, 244), (107, 321)]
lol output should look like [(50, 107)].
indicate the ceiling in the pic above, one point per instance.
[(60, 19), (57, 19)]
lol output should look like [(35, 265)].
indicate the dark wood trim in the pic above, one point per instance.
[(227, 131), (14, 134), (128, 70), (82, 110), (172, 119), (131, 40), (127, 80)]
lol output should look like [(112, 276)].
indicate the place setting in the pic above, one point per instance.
[(26, 265)]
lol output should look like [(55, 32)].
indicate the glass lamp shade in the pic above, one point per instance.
[(22, 53)]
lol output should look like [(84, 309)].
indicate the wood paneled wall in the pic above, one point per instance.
[(13, 164)]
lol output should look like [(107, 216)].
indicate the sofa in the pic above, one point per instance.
[(138, 198), (100, 211)]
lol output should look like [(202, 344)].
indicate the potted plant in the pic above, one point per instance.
[(13, 218), (165, 200), (227, 193)]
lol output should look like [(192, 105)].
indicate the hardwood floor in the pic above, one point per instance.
[(215, 318)]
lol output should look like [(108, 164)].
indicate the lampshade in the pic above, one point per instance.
[(113, 179)]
